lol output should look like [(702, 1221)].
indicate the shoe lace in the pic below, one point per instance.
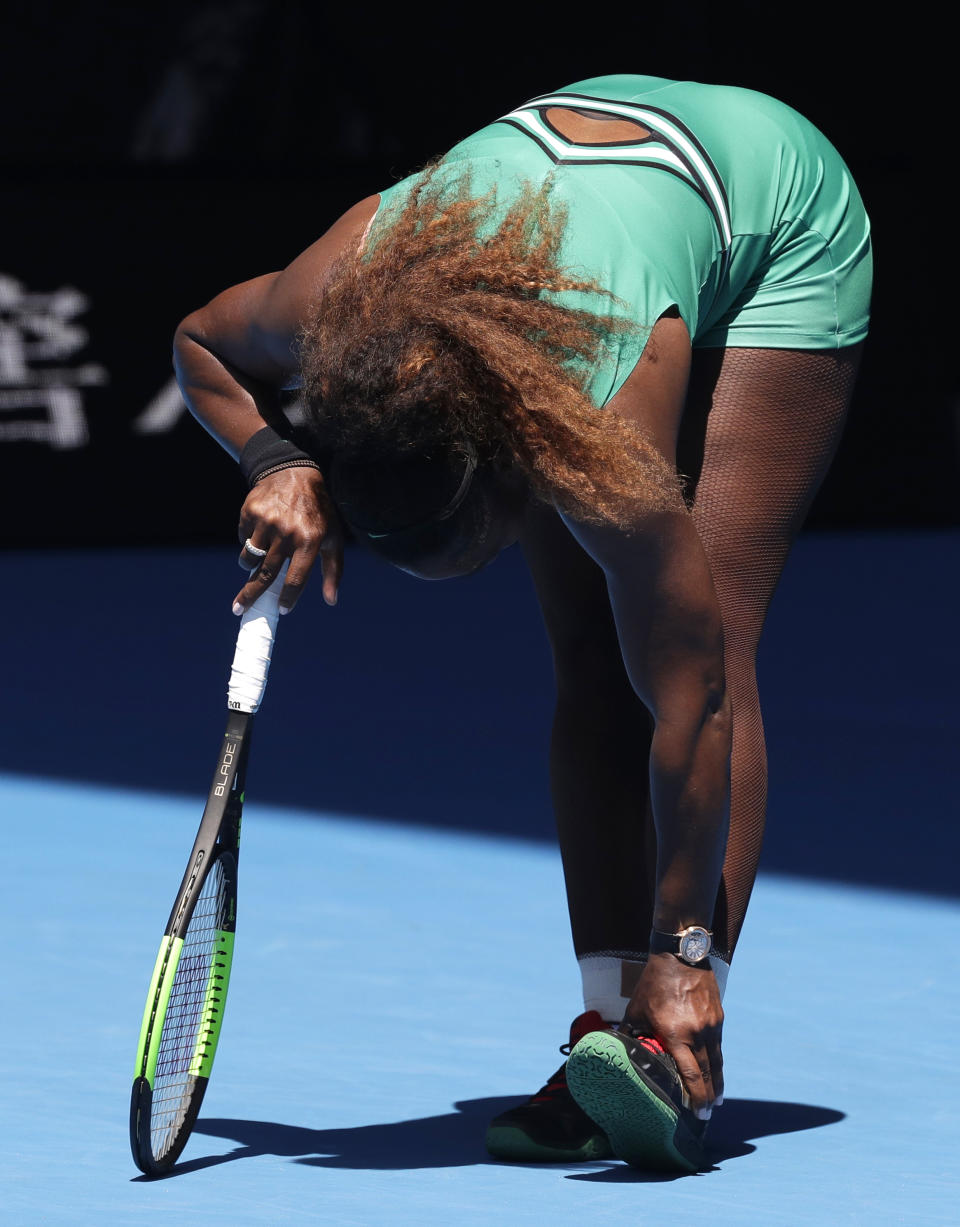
[(556, 1083)]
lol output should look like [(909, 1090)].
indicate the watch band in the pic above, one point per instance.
[(692, 938)]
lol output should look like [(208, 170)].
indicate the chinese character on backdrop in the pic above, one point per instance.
[(41, 397)]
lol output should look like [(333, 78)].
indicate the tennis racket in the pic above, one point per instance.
[(188, 989)]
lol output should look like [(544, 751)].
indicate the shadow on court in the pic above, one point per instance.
[(456, 1139), (733, 1131)]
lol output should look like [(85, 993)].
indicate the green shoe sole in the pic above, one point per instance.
[(644, 1129)]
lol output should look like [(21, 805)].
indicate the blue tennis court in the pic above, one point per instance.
[(403, 967)]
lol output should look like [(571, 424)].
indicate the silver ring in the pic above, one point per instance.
[(255, 550)]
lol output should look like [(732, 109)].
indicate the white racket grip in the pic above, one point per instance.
[(251, 660)]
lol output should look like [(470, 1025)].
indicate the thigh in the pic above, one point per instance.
[(769, 422), (572, 591)]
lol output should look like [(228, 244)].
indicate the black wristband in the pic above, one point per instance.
[(267, 451)]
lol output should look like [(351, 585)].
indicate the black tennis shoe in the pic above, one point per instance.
[(630, 1087), (551, 1127)]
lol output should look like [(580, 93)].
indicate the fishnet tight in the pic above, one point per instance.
[(758, 434), (774, 421)]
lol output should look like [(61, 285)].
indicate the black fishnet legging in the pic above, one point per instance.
[(759, 431), (774, 421)]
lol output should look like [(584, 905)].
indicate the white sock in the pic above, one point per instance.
[(609, 977), (721, 970)]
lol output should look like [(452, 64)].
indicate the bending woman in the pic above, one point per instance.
[(621, 323)]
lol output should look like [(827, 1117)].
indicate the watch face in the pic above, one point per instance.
[(695, 945)]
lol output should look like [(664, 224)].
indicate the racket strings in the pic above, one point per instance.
[(202, 967)]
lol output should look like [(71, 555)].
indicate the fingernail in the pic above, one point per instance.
[(703, 1113), (718, 1101), (237, 608), (284, 609), (331, 600)]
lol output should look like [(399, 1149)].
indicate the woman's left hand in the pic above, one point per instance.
[(679, 1005), (289, 515)]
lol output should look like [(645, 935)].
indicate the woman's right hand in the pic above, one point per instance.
[(290, 515), (679, 1005)]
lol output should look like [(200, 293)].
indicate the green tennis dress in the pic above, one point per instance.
[(729, 206)]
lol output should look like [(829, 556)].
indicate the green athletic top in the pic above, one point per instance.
[(734, 208)]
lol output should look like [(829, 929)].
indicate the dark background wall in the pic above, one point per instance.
[(152, 155)]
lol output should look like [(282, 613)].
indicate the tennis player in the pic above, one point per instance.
[(621, 324)]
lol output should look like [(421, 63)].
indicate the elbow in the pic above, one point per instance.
[(189, 343), (685, 669), (189, 330), (692, 743), (696, 710), (690, 699)]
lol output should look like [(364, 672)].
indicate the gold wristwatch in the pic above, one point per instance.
[(690, 945)]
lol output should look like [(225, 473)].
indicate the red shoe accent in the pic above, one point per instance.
[(582, 1025), (547, 1092), (592, 1020)]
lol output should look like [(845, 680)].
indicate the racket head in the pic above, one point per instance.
[(182, 1019), (188, 988)]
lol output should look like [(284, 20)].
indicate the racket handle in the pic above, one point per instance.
[(251, 660)]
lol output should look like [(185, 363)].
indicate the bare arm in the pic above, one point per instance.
[(670, 632), (669, 628), (232, 358), (230, 370)]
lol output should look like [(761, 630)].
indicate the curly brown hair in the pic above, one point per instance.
[(443, 330)]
